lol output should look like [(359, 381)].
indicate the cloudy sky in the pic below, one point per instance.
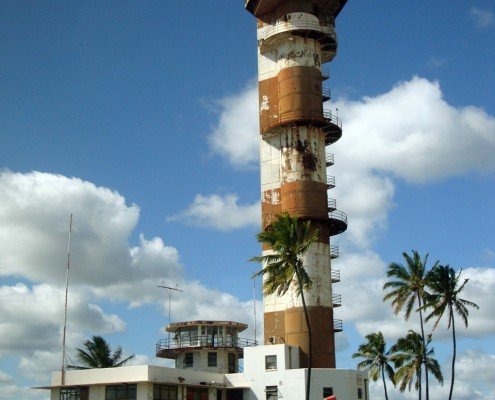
[(140, 119)]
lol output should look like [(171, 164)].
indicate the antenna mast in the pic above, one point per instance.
[(169, 290), (254, 308), (65, 307)]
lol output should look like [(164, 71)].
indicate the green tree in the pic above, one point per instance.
[(409, 355), (289, 239), (97, 353), (445, 290), (407, 288), (376, 358)]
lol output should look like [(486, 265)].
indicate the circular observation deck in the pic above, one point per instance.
[(332, 128), (337, 222), (203, 335), (270, 35)]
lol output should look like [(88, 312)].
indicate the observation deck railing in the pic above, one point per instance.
[(334, 251), (203, 341)]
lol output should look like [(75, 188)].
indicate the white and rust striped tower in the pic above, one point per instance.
[(295, 38)]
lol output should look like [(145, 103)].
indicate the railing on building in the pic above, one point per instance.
[(203, 341), (335, 275), (336, 300), (334, 251), (338, 325), (329, 159), (326, 94), (332, 204), (330, 182)]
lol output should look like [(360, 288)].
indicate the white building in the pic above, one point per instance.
[(270, 372)]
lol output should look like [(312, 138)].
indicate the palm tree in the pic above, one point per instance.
[(444, 284), (376, 358), (289, 239), (409, 355), (408, 287), (98, 354)]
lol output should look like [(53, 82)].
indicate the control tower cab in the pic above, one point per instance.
[(210, 346)]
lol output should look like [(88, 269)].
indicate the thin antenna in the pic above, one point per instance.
[(169, 290), (66, 296), (254, 309)]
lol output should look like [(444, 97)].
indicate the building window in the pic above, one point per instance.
[(74, 393), (271, 362), (212, 359), (271, 392), (188, 360), (360, 393), (327, 391), (121, 392), (164, 392)]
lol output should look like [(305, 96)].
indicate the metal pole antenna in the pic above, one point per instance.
[(169, 290), (65, 307), (254, 309)]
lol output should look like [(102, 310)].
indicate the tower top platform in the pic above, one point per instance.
[(177, 326), (260, 8)]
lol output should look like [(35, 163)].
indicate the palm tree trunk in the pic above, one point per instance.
[(384, 383), (423, 356), (308, 384), (453, 353)]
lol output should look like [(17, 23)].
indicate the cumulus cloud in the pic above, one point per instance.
[(5, 378), (31, 318), (223, 213), (482, 18), (409, 133), (236, 136)]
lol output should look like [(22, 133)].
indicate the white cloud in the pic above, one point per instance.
[(220, 212), (5, 378), (410, 133), (482, 18), (31, 318), (236, 136)]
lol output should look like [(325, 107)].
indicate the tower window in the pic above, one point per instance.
[(271, 362), (327, 391), (188, 360), (271, 392), (212, 359)]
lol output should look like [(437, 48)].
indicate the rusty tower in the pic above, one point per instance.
[(295, 39)]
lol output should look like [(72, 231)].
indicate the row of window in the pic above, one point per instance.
[(120, 392)]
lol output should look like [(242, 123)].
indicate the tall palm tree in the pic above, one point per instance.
[(376, 358), (289, 239), (445, 289), (407, 287), (409, 355), (97, 353)]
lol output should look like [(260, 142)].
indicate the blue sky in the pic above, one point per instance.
[(141, 120)]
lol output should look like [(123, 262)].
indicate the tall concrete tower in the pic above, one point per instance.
[(295, 38)]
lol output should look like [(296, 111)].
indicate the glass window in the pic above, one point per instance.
[(327, 391), (271, 392), (164, 392), (121, 392), (212, 359), (74, 393), (360, 393), (188, 360), (271, 362)]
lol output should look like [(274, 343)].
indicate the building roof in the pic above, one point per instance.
[(175, 326)]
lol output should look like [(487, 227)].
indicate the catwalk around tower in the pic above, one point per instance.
[(295, 38)]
